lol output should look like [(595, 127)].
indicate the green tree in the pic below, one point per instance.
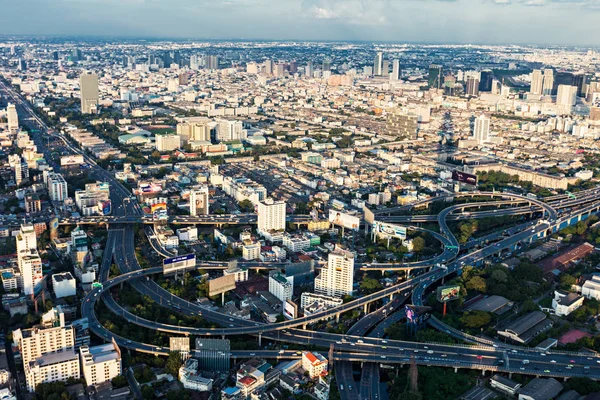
[(476, 283), (246, 205), (418, 244), (173, 364), (566, 281), (119, 381), (370, 285), (476, 319)]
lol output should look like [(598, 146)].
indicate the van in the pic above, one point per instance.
[(525, 361)]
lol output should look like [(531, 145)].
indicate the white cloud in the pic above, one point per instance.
[(355, 12)]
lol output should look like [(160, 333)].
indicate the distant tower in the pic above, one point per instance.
[(88, 84), (537, 80), (396, 71), (435, 76), (378, 64)]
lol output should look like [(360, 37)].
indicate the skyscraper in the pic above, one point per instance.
[(13, 117), (472, 86), (271, 215), (436, 77), (337, 277), (199, 201), (481, 131), (308, 70), (385, 68), (566, 97), (326, 65), (485, 80), (88, 83), (548, 84), (537, 82), (378, 64), (580, 80), (396, 71)]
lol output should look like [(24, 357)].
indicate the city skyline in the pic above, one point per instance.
[(431, 21)]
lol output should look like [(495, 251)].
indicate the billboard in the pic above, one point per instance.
[(342, 219), (390, 230), (104, 207), (154, 208), (220, 285), (464, 177), (71, 160), (369, 216), (290, 309), (181, 344), (448, 293), (185, 262)]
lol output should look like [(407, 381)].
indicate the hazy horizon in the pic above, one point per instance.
[(520, 22)]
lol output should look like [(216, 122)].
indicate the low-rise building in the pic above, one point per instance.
[(188, 376), (505, 385), (591, 288), (314, 363), (64, 285), (564, 303), (100, 363), (541, 389)]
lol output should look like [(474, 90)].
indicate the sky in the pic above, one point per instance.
[(544, 22)]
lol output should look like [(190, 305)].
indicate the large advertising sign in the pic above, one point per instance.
[(105, 207), (181, 344), (154, 208), (185, 262), (342, 219), (448, 293), (71, 160), (395, 231), (369, 216), (220, 285), (464, 177), (290, 309)]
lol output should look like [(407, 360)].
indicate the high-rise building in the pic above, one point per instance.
[(485, 80), (271, 215), (537, 82), (167, 142), (326, 65), (22, 64), (385, 68), (21, 172), (378, 64), (436, 76), (100, 363), (88, 86), (396, 71), (199, 204), (30, 267), (212, 62), (268, 67), (308, 70), (194, 130), (227, 131), (548, 84), (566, 97), (13, 117), (26, 239), (401, 124), (57, 187), (481, 130), (580, 80), (472, 86), (48, 354), (337, 277), (281, 287)]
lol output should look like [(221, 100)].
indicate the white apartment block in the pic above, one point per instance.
[(199, 201), (281, 286), (271, 215), (188, 234), (337, 277), (591, 288), (57, 187), (167, 142), (64, 285), (54, 367), (30, 267), (251, 251), (241, 274), (227, 131), (100, 363)]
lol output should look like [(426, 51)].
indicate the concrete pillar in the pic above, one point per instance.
[(565, 379), (366, 308), (455, 370), (260, 339), (304, 326), (337, 318), (510, 375), (483, 372), (391, 297), (382, 272)]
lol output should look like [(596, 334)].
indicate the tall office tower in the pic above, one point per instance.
[(402, 125), (76, 55), (48, 354), (212, 62), (194, 62), (326, 65), (177, 57), (269, 67), (194, 130), (537, 82), (293, 67), (88, 84), (308, 70), (566, 97), (337, 277), (252, 68), (22, 64), (199, 201), (21, 172), (229, 130), (485, 80), (396, 71), (580, 80), (279, 70), (472, 86), (13, 117), (13, 50), (436, 76), (548, 85), (55, 55), (26, 239), (385, 68), (481, 132), (378, 64), (271, 215), (166, 59), (496, 86), (57, 187)]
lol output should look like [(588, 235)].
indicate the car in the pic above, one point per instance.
[(553, 361), (383, 356), (444, 355), (522, 368), (480, 357), (547, 371), (572, 361), (570, 366), (415, 351), (429, 351)]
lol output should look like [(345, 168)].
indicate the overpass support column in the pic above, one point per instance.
[(366, 308), (337, 318), (304, 326), (407, 274), (382, 272), (260, 339), (455, 370), (565, 379), (391, 297), (483, 372), (510, 375)]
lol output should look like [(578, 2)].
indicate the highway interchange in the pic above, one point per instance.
[(358, 345)]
